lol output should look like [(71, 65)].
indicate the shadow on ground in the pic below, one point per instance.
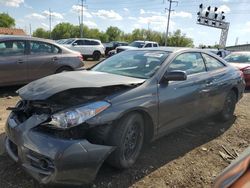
[(9, 91), (154, 156)]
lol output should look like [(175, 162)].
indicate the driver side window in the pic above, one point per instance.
[(191, 63)]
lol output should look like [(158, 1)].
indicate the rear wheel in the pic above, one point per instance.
[(128, 138), (229, 107), (96, 56), (64, 69)]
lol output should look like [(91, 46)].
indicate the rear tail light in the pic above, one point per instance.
[(246, 70), (80, 57)]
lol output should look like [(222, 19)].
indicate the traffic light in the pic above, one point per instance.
[(215, 16)]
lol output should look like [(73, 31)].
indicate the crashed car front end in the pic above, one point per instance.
[(50, 155), (48, 131)]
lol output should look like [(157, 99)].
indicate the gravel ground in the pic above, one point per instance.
[(187, 158)]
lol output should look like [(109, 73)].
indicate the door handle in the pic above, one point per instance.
[(54, 58), (20, 61)]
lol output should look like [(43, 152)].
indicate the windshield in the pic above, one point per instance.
[(137, 44), (238, 58), (138, 64)]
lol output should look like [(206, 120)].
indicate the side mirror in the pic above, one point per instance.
[(174, 76), (74, 44)]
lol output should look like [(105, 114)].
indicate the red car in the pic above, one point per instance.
[(241, 60)]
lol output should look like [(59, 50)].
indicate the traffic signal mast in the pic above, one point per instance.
[(213, 17)]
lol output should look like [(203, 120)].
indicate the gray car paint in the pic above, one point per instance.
[(25, 68), (46, 87), (168, 106)]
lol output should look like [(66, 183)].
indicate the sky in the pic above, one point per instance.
[(131, 14)]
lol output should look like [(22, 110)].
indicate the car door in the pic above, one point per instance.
[(42, 59), (13, 64), (218, 86), (181, 101)]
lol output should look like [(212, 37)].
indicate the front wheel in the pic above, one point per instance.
[(128, 137), (229, 107)]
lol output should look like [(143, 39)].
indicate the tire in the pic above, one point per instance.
[(128, 137), (96, 56), (229, 106), (64, 69)]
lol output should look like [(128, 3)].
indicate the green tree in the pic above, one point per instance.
[(63, 31), (6, 20), (41, 33), (113, 33), (179, 40)]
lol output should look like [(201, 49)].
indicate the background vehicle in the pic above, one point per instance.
[(24, 59), (237, 174), (111, 110), (87, 47), (241, 60), (134, 45), (220, 52), (113, 45)]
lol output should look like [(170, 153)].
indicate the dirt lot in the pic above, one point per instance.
[(187, 158)]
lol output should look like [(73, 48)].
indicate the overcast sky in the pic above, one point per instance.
[(131, 14)]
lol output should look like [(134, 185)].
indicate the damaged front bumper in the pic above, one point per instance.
[(51, 160)]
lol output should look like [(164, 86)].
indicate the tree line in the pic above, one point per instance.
[(68, 30)]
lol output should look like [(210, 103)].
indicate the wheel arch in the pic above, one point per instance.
[(236, 91), (148, 122), (64, 67)]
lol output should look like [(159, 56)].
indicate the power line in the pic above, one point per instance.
[(169, 13)]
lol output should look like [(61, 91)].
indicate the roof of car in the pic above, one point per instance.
[(22, 37), (167, 49), (173, 49), (85, 39), (145, 41)]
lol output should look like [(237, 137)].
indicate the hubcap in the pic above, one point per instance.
[(131, 141)]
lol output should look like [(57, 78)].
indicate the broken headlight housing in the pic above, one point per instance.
[(76, 116)]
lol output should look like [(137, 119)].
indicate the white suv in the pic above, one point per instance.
[(137, 44), (87, 47)]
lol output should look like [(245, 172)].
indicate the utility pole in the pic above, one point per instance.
[(30, 30), (82, 5), (169, 13), (50, 20)]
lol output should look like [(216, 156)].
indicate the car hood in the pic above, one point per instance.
[(240, 65), (46, 87), (126, 47)]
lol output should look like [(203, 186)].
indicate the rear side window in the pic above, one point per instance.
[(148, 45), (37, 47), (95, 43), (12, 48), (191, 63), (155, 45), (212, 63), (80, 42)]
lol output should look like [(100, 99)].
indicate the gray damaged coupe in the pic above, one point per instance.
[(67, 125)]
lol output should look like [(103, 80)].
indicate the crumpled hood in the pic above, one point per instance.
[(46, 87)]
